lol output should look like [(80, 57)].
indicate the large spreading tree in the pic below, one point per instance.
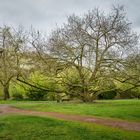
[(95, 46)]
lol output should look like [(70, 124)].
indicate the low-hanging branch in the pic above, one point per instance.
[(31, 85)]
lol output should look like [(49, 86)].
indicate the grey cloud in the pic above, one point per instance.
[(45, 14)]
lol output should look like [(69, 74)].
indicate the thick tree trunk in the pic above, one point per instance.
[(6, 91)]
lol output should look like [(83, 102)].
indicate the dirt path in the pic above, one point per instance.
[(135, 126)]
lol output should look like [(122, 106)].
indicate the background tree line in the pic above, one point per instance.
[(90, 57)]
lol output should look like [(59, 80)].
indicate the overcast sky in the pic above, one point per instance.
[(46, 14)]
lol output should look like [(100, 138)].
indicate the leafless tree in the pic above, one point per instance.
[(10, 45), (95, 45)]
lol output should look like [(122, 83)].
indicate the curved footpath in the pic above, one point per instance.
[(134, 126)]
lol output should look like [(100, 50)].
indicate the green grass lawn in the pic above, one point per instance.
[(120, 109), (40, 128)]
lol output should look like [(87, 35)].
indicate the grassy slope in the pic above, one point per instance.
[(39, 128), (121, 109)]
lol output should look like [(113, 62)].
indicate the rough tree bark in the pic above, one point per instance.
[(6, 91)]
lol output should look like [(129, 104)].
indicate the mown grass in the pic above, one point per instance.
[(39, 128), (120, 109)]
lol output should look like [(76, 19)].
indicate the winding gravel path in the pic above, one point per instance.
[(134, 126)]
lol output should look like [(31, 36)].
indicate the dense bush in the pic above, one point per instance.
[(36, 94), (130, 94), (107, 94), (51, 96), (72, 83), (17, 96)]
